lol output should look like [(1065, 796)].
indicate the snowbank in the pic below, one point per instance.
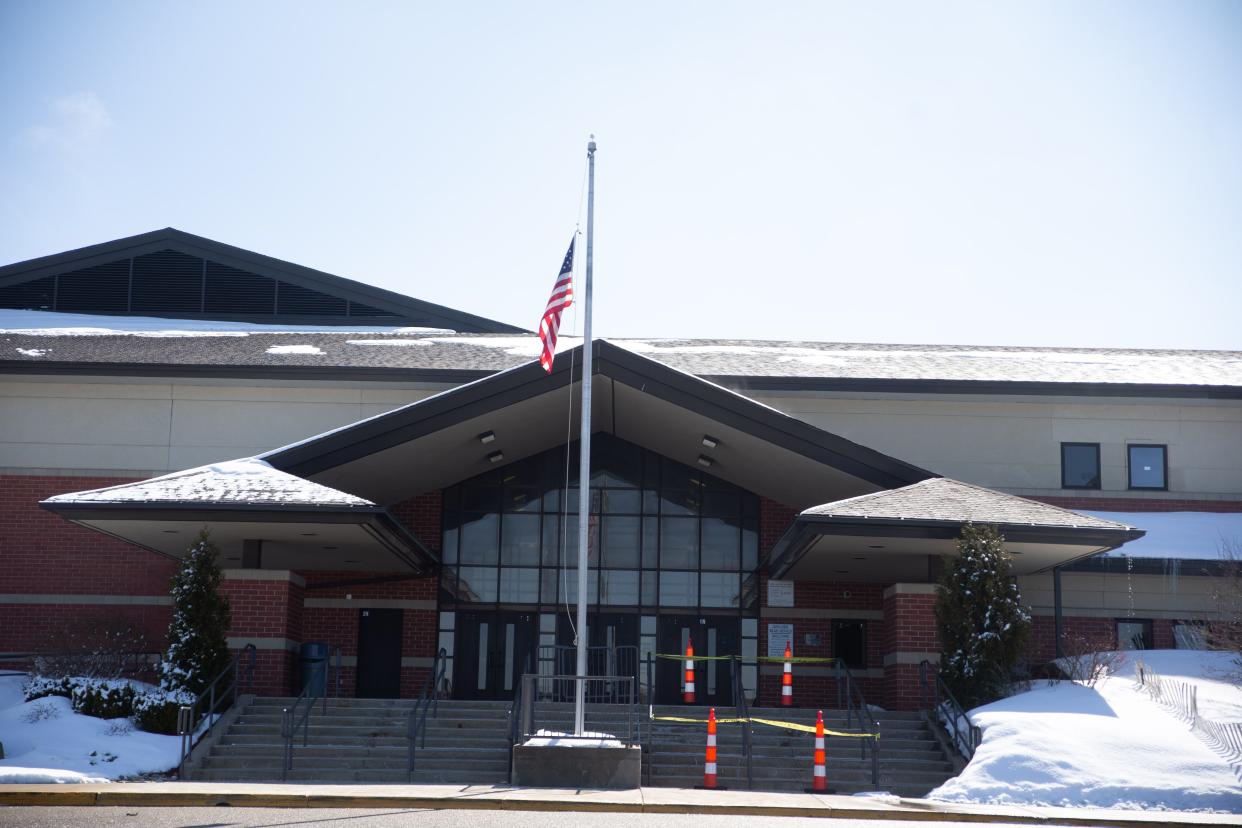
[(51, 323), (46, 742), (1064, 744), (588, 739)]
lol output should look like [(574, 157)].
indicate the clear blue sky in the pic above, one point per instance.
[(995, 173)]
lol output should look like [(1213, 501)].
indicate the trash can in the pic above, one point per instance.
[(314, 659)]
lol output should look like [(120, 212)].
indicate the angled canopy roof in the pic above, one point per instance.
[(175, 274), (435, 442), (906, 530), (301, 524)]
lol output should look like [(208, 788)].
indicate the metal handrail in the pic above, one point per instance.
[(515, 713), (936, 695), (857, 709), (743, 712), (188, 721), (428, 699), (291, 721)]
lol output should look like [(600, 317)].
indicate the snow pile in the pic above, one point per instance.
[(588, 739), (1110, 746), (393, 343), (248, 480), (49, 323), (46, 742), (32, 352)]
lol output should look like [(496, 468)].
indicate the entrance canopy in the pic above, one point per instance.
[(258, 516), (901, 535), (517, 413), (321, 503)]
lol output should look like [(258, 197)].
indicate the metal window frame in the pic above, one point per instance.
[(1164, 470), (1099, 471)]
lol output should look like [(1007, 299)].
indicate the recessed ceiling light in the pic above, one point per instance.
[(710, 441), (487, 437), (496, 456), (705, 461)]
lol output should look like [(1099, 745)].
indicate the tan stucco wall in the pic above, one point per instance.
[(142, 428), (1176, 595), (1013, 444)]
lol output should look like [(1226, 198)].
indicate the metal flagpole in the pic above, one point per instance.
[(584, 459)]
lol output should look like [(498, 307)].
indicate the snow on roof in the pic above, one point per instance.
[(1183, 535), (236, 482), (944, 499), (48, 323)]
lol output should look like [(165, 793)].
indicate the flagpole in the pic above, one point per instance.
[(584, 458)]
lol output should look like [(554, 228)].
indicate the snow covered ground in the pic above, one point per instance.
[(45, 741), (1109, 746)]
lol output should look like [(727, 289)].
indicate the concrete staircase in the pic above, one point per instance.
[(364, 740)]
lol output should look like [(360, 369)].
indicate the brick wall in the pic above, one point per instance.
[(910, 628)]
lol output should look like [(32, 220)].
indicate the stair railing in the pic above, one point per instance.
[(940, 701), (516, 725), (291, 719), (195, 720), (858, 716), (743, 713), (428, 700)]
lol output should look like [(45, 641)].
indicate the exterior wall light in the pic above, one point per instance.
[(487, 437), (705, 461), (710, 441), (496, 456)]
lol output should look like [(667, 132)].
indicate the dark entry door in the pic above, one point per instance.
[(379, 653), (612, 645), (491, 652), (712, 636)]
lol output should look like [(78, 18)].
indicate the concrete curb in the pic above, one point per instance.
[(645, 800)]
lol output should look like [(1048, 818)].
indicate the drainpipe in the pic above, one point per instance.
[(1056, 609)]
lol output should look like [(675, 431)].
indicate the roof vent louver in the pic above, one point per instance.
[(167, 282), (233, 291), (37, 294), (103, 288), (300, 301)]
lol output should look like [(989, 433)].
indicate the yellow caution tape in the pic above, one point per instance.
[(770, 722), (779, 659)]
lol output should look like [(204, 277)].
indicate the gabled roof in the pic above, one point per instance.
[(433, 442), (942, 499), (915, 524), (376, 305)]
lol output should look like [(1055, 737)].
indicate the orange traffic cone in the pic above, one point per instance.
[(787, 680), (688, 694), (819, 782), (709, 767)]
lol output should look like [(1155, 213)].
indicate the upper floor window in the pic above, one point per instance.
[(1148, 466), (1080, 465)]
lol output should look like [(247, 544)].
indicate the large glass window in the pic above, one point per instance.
[(1147, 467), (1080, 465), (660, 533)]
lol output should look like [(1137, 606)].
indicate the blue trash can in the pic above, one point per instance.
[(314, 660)]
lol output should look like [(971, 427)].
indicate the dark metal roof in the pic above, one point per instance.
[(171, 272), (740, 364)]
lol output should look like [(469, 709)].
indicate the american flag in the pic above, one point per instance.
[(562, 297)]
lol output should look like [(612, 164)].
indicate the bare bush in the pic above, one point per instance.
[(1089, 658), (90, 649)]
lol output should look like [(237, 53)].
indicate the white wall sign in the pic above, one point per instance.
[(780, 594), (778, 636)]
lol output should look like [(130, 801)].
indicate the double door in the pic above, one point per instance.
[(491, 652), (711, 636)]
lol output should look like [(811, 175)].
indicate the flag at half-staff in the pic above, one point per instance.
[(562, 297)]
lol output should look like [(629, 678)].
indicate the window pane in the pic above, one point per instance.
[(522, 498), (1080, 466), (623, 464), (622, 501), (620, 540), (569, 586), (1147, 467), (750, 546), (679, 543), (651, 542), (619, 587), (549, 580), (551, 533), (569, 541), (1134, 635), (479, 541), (721, 504), (477, 583), (480, 498), (519, 586), (679, 589), (448, 548), (679, 502), (722, 541), (519, 540), (650, 597), (720, 589)]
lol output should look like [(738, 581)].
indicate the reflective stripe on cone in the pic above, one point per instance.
[(819, 779), (787, 679), (688, 694), (709, 766)]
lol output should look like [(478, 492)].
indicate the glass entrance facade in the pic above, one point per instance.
[(663, 538)]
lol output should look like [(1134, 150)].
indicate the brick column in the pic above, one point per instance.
[(266, 606), (910, 638)]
